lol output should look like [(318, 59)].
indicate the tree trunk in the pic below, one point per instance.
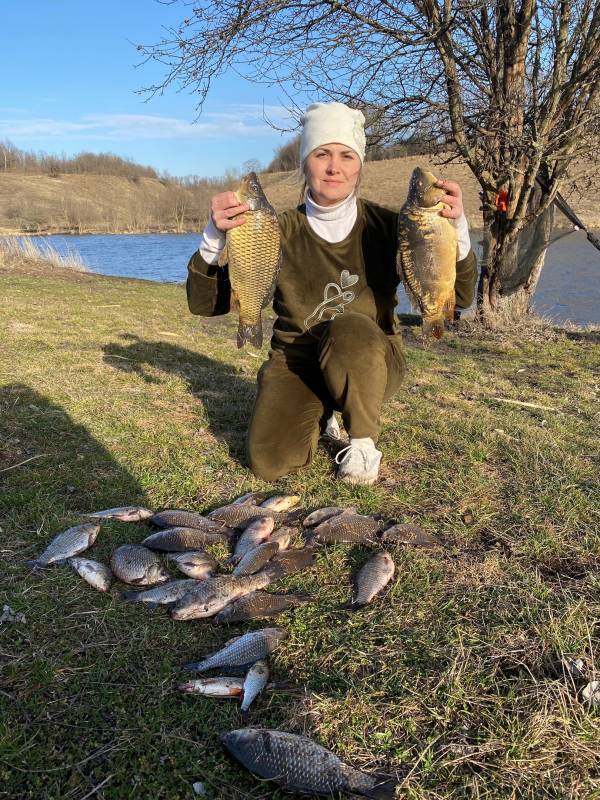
[(511, 266)]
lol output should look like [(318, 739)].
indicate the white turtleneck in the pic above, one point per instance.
[(332, 223)]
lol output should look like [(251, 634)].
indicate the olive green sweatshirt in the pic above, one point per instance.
[(319, 280)]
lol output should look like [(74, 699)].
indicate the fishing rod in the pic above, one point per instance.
[(566, 209)]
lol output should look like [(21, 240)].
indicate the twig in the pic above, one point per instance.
[(96, 788), (522, 403), (20, 464)]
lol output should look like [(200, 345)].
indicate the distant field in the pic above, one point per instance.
[(110, 204)]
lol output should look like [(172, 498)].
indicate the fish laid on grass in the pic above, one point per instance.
[(253, 253), (259, 605), (256, 558), (178, 540), (256, 533), (254, 682), (215, 593), (222, 686), (135, 564), (348, 528), (289, 562), (250, 497), (162, 595), (297, 764), (372, 578), (195, 563), (67, 544), (409, 534), (241, 650), (123, 514), (173, 517), (320, 515), (96, 574), (281, 502), (283, 537), (427, 251), (240, 515)]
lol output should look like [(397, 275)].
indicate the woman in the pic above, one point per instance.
[(336, 342)]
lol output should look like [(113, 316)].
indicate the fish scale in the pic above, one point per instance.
[(253, 253), (177, 540), (66, 544), (175, 517), (215, 593), (348, 529), (257, 605), (242, 650), (133, 563), (239, 515), (373, 577), (256, 558)]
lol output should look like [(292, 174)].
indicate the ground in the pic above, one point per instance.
[(453, 681)]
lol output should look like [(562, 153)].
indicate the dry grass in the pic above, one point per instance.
[(24, 255)]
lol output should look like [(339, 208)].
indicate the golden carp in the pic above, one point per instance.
[(253, 252), (427, 249)]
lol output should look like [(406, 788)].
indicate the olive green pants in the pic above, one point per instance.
[(353, 368)]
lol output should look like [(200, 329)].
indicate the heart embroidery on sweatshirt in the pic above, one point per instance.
[(332, 295)]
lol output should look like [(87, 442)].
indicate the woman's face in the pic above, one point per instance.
[(332, 172)]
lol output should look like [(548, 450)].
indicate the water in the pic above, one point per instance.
[(569, 288)]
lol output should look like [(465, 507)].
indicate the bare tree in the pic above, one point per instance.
[(513, 85)]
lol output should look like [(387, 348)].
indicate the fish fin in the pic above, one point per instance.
[(449, 307), (223, 257), (132, 596), (244, 715), (385, 790), (302, 597), (274, 571), (433, 327), (193, 665), (34, 564), (250, 333), (271, 290), (234, 301)]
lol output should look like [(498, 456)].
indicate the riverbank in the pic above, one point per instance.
[(454, 681)]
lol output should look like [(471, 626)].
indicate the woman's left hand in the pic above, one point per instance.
[(452, 198)]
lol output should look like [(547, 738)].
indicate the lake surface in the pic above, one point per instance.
[(569, 288)]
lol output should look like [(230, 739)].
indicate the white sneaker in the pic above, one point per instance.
[(359, 462), (332, 429)]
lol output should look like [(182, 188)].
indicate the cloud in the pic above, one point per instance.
[(247, 120)]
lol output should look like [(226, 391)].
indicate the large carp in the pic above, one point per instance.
[(427, 248), (253, 252)]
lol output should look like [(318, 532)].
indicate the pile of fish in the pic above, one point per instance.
[(263, 536)]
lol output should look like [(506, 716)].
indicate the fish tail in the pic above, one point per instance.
[(244, 714), (385, 790), (34, 564), (250, 333), (194, 666), (132, 596), (274, 571), (433, 327)]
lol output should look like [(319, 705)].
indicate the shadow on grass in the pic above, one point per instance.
[(50, 466), (227, 397)]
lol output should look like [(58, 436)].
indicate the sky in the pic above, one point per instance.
[(71, 83)]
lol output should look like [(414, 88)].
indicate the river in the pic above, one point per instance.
[(568, 290)]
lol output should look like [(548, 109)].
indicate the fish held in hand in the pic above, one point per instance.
[(297, 764), (173, 517), (242, 650), (254, 682), (256, 558), (196, 563), (178, 540), (427, 252), (347, 528), (253, 253), (259, 605), (135, 564), (214, 687), (162, 595), (123, 514), (93, 572), (372, 578), (67, 544), (215, 593), (409, 534)]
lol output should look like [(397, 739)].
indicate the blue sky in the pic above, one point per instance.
[(70, 81)]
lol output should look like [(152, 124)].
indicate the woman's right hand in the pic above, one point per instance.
[(226, 211)]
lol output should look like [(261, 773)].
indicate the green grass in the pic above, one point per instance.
[(452, 681)]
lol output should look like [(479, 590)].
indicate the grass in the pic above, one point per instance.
[(452, 681)]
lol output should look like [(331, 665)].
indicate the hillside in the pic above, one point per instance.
[(102, 203)]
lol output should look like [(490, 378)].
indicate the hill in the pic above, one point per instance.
[(114, 204)]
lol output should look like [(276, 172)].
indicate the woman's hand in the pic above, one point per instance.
[(225, 211), (452, 198)]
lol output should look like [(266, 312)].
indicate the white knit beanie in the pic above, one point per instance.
[(325, 123)]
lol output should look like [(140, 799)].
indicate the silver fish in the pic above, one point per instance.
[(123, 514), (249, 497), (256, 533), (178, 540), (196, 563), (347, 528), (240, 515), (214, 687), (215, 593), (132, 563), (162, 595), (173, 517), (298, 764), (96, 574), (409, 534), (320, 515), (242, 650), (373, 577), (259, 605), (281, 502), (256, 558), (254, 682), (67, 544), (283, 537)]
